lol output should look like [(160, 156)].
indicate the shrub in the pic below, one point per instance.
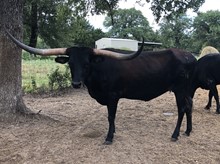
[(33, 83), (31, 87), (59, 79)]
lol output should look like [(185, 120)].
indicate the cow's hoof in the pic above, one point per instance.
[(207, 108), (186, 134), (174, 139), (217, 112), (107, 143)]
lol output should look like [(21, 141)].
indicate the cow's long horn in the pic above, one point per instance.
[(42, 52), (120, 56)]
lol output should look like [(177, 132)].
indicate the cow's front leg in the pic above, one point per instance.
[(112, 108)]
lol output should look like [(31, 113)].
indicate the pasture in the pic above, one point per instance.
[(35, 74), (74, 127)]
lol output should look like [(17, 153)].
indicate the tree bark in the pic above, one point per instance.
[(11, 100)]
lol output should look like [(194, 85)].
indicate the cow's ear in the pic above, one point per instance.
[(97, 59), (62, 60)]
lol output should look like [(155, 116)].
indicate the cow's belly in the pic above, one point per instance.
[(132, 88), (135, 92), (145, 93)]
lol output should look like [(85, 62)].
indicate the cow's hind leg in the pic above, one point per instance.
[(184, 105), (112, 108), (188, 111), (215, 94), (176, 132), (208, 106)]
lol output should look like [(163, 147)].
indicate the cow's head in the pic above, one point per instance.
[(78, 58)]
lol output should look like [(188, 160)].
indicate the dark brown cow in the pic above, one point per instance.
[(207, 76), (145, 77)]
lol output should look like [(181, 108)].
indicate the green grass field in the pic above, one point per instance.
[(35, 73)]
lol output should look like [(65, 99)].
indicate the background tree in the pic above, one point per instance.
[(168, 9), (173, 8), (58, 23), (49, 19), (10, 58), (129, 23), (176, 32), (42, 17), (206, 30), (103, 6), (83, 34), (52, 20)]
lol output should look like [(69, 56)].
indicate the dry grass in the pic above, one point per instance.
[(78, 125)]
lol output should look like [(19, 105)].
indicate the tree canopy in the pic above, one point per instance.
[(160, 8), (176, 32), (129, 23), (54, 20), (58, 23), (173, 8), (207, 30)]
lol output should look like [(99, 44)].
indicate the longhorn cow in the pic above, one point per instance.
[(110, 76)]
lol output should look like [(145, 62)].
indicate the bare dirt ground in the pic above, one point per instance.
[(76, 126)]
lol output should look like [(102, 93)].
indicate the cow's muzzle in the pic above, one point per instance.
[(76, 85)]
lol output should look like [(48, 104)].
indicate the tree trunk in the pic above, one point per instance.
[(34, 24), (111, 11), (10, 58)]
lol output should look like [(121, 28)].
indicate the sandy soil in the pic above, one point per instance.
[(76, 126)]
